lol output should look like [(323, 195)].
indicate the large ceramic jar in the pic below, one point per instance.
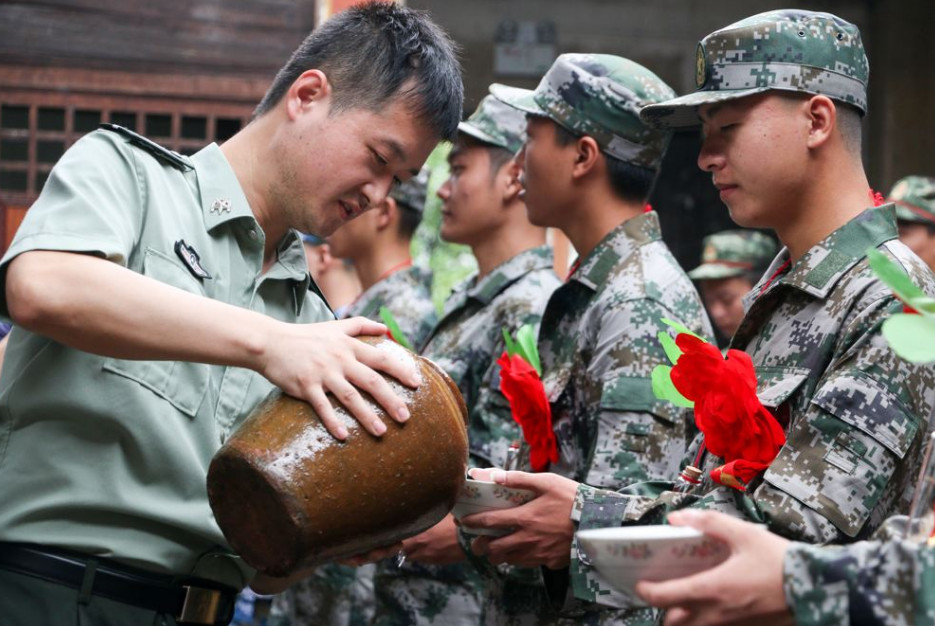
[(288, 495)]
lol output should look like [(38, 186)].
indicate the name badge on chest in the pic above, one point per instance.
[(191, 260)]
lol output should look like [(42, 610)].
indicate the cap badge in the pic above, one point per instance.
[(700, 66)]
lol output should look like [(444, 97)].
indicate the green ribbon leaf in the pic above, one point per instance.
[(912, 337), (525, 345), (668, 344), (664, 388), (680, 328), (395, 331)]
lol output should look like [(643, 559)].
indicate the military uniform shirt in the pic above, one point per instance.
[(854, 413), (466, 343), (109, 456), (407, 295)]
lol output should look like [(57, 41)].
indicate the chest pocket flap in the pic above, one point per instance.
[(181, 384), (635, 394), (775, 385)]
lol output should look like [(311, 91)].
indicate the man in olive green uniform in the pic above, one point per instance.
[(598, 340), (732, 261), (158, 298), (483, 209), (853, 412), (914, 197), (377, 242)]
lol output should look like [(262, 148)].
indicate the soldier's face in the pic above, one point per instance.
[(354, 236), (723, 298), (920, 239), (757, 152), (472, 197), (335, 165), (546, 173)]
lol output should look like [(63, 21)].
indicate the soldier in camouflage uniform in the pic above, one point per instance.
[(378, 244), (598, 340), (732, 261), (483, 209), (771, 88), (914, 197)]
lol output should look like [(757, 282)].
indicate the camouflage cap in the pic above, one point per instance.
[(411, 194), (734, 253), (598, 95), (496, 123), (787, 50), (914, 197)]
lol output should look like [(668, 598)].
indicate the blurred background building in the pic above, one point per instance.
[(189, 72)]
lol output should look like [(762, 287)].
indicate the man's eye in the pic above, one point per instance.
[(727, 127), (379, 158)]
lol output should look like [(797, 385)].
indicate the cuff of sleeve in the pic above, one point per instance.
[(598, 508), (813, 599)]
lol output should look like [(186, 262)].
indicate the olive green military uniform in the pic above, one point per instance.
[(108, 456)]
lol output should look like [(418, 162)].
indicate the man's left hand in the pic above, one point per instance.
[(542, 529), (436, 546)]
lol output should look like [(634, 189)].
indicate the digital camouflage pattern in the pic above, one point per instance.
[(407, 295), (854, 413), (497, 124), (599, 95), (466, 343), (914, 197), (598, 345), (411, 194), (734, 253), (883, 582), (786, 50)]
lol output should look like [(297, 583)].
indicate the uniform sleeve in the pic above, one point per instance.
[(637, 437), (871, 583), (91, 203)]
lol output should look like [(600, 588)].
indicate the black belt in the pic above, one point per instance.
[(191, 601)]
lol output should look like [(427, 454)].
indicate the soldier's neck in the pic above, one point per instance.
[(514, 236), (380, 261), (593, 218)]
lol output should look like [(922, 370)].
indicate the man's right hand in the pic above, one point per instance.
[(309, 360)]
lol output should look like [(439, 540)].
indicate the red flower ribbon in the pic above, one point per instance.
[(521, 385), (736, 426)]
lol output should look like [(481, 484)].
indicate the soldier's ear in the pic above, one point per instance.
[(822, 120), (587, 154), (310, 90), (512, 171), (385, 213)]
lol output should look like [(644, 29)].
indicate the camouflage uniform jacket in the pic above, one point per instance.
[(407, 295), (598, 345), (854, 413), (466, 343), (870, 582), (468, 340)]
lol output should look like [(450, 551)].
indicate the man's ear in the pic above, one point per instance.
[(511, 171), (587, 154), (311, 89), (822, 119), (385, 213)]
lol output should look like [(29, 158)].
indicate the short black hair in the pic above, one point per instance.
[(409, 220), (496, 155), (630, 182), (372, 52)]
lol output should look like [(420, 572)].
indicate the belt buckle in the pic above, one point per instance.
[(200, 605)]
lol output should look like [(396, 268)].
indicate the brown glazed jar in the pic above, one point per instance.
[(287, 495)]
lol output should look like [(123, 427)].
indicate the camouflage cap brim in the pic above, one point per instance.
[(517, 98), (712, 271), (473, 131), (682, 112), (905, 213)]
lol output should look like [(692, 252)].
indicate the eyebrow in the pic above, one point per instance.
[(712, 110)]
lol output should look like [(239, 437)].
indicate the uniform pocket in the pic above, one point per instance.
[(181, 384)]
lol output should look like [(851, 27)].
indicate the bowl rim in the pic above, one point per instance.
[(642, 534)]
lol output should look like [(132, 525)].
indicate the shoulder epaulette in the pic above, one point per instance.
[(171, 157)]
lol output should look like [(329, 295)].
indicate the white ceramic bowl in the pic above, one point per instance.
[(626, 555), (478, 496)]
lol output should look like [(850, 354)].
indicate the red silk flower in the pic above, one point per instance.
[(736, 426), (521, 385)]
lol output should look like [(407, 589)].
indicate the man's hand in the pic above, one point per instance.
[(309, 360), (744, 589), (541, 529), (436, 546), (377, 554)]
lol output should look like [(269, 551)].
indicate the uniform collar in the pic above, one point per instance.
[(507, 273), (618, 244), (222, 197), (823, 265)]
